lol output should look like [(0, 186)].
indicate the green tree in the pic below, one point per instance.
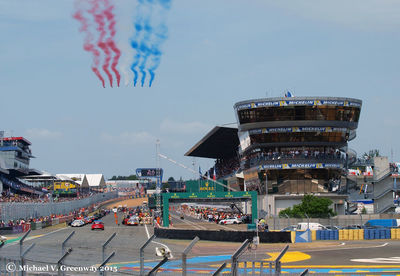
[(364, 211), (314, 207), (171, 179)]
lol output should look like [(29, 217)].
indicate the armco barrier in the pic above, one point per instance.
[(6, 230), (221, 235)]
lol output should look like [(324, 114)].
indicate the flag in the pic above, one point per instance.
[(214, 174), (288, 94)]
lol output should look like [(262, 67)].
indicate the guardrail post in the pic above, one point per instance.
[(59, 263), (21, 242), (105, 244), (65, 241), (305, 272), (141, 253), (154, 270), (21, 245), (236, 255), (278, 260), (23, 256), (186, 252), (219, 269), (100, 268)]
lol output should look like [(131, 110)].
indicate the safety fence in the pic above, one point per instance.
[(18, 210), (61, 259), (279, 223)]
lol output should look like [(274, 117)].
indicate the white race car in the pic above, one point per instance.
[(2, 240), (77, 223), (230, 221)]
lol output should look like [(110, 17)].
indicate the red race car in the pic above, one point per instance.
[(98, 224)]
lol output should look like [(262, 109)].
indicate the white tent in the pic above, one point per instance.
[(96, 181)]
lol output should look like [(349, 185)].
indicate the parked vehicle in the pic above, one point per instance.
[(290, 228), (379, 223), (330, 227), (303, 226)]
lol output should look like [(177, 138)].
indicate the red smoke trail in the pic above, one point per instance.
[(88, 46), (110, 41), (99, 19)]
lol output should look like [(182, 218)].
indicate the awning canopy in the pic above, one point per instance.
[(220, 142)]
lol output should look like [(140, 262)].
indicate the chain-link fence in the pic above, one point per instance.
[(279, 223), (17, 210)]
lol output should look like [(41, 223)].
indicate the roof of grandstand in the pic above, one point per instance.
[(220, 142), (26, 141)]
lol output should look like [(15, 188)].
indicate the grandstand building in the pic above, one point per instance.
[(286, 147), (15, 155)]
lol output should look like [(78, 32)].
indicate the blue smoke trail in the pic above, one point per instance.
[(145, 50), (149, 35), (138, 24)]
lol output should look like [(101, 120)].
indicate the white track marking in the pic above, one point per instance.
[(148, 236), (35, 237), (329, 249), (198, 227), (390, 260), (226, 227)]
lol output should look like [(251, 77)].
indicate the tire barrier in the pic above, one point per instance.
[(222, 235), (327, 235), (358, 234)]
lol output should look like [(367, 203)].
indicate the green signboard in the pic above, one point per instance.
[(208, 195), (195, 186)]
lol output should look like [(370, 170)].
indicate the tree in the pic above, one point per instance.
[(314, 207), (171, 179)]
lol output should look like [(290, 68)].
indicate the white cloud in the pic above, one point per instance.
[(129, 138), (359, 14), (42, 133), (170, 126)]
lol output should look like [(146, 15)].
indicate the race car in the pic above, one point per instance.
[(230, 221), (77, 223), (2, 240), (98, 224), (134, 220)]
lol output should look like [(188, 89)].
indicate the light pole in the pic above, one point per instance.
[(266, 191)]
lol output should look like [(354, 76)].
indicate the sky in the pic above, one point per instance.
[(217, 52)]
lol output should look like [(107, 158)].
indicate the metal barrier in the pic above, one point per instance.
[(17, 210)]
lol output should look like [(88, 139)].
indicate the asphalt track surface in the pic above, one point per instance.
[(376, 257)]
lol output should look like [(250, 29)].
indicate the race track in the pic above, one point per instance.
[(377, 257)]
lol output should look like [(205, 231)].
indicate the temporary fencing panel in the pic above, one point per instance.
[(17, 210)]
